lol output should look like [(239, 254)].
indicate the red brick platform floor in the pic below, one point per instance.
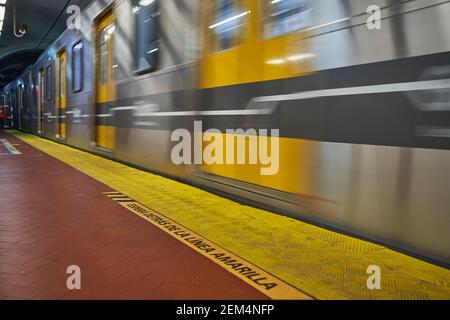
[(52, 216)]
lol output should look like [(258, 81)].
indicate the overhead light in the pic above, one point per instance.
[(276, 61), (3, 1), (110, 30), (298, 57), (243, 14), (145, 3), (2, 13), (293, 58), (327, 24), (1, 26)]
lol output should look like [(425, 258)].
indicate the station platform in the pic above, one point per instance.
[(137, 235)]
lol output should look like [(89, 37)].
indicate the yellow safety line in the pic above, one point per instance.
[(322, 263), (261, 280), (11, 149)]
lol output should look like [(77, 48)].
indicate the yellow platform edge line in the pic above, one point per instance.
[(10, 147), (322, 263), (259, 279)]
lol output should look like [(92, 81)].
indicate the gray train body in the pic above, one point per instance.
[(376, 108)]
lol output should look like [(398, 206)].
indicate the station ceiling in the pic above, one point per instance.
[(45, 20)]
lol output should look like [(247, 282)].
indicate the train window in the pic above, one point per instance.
[(147, 13), (77, 67), (42, 89), (25, 97), (103, 55), (12, 95), (34, 91), (48, 82), (281, 17), (62, 74), (228, 18)]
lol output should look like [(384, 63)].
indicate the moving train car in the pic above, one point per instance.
[(363, 113), (2, 117)]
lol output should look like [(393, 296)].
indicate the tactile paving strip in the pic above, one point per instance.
[(322, 263)]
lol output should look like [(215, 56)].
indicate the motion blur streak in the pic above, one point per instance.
[(364, 115)]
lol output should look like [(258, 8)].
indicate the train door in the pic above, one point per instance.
[(2, 111), (251, 49), (40, 101), (105, 86), (19, 104), (62, 80), (15, 104), (6, 107), (9, 109), (226, 30), (226, 21)]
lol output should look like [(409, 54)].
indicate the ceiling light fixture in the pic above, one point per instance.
[(22, 29), (145, 3), (2, 14), (218, 24)]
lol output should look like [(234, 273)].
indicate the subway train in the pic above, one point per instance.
[(363, 111)]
